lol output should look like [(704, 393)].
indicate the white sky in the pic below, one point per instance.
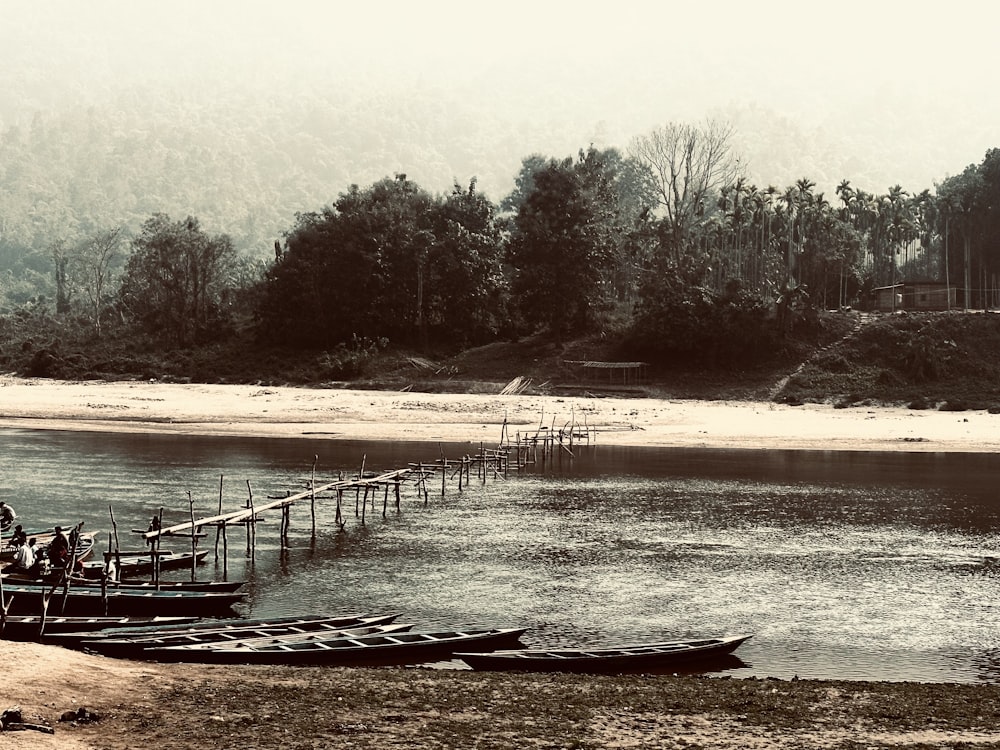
[(781, 41)]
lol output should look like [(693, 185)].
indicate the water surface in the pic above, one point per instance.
[(879, 566)]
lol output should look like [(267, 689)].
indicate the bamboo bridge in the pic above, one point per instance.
[(539, 446)]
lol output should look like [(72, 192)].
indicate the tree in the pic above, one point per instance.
[(524, 183), (689, 164), (961, 199), (390, 261), (94, 261), (563, 243), (467, 294), (174, 280), (60, 264)]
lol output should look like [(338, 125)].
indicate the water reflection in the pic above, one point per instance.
[(848, 565)]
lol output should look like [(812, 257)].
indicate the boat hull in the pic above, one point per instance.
[(31, 627), (133, 645), (399, 649), (134, 566), (27, 600), (19, 579), (632, 659)]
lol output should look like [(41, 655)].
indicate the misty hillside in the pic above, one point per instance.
[(244, 115), (246, 166)]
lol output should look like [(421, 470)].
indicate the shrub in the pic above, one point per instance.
[(954, 405), (350, 361)]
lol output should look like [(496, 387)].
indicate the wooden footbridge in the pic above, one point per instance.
[(544, 444)]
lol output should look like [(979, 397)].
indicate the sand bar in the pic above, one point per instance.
[(241, 410)]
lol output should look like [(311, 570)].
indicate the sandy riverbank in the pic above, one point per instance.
[(389, 415)]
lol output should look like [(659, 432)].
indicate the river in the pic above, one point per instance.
[(873, 566)]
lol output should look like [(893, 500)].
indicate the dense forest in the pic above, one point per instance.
[(667, 247)]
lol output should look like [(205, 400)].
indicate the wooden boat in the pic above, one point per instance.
[(85, 602), (614, 660), (84, 547), (132, 645), (23, 579), (238, 623), (143, 650), (31, 627), (39, 534), (388, 649), (132, 566)]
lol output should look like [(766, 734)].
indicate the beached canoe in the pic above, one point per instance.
[(388, 649), (86, 602), (133, 650), (31, 627), (649, 657), (131, 645), (239, 623)]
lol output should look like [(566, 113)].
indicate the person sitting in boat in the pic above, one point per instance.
[(18, 537), (59, 550), (110, 569), (26, 559), (7, 515)]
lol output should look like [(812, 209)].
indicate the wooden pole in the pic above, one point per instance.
[(286, 520), (4, 606), (218, 529), (312, 495), (156, 549), (251, 524), (225, 552), (194, 539), (118, 556)]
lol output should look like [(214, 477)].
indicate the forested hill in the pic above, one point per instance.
[(245, 164), (94, 145)]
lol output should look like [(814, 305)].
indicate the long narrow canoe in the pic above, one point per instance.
[(137, 565), (611, 660), (22, 579), (40, 535), (87, 602), (389, 649), (132, 645), (239, 623), (30, 627), (84, 547), (132, 650)]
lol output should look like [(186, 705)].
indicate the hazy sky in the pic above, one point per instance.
[(629, 64)]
